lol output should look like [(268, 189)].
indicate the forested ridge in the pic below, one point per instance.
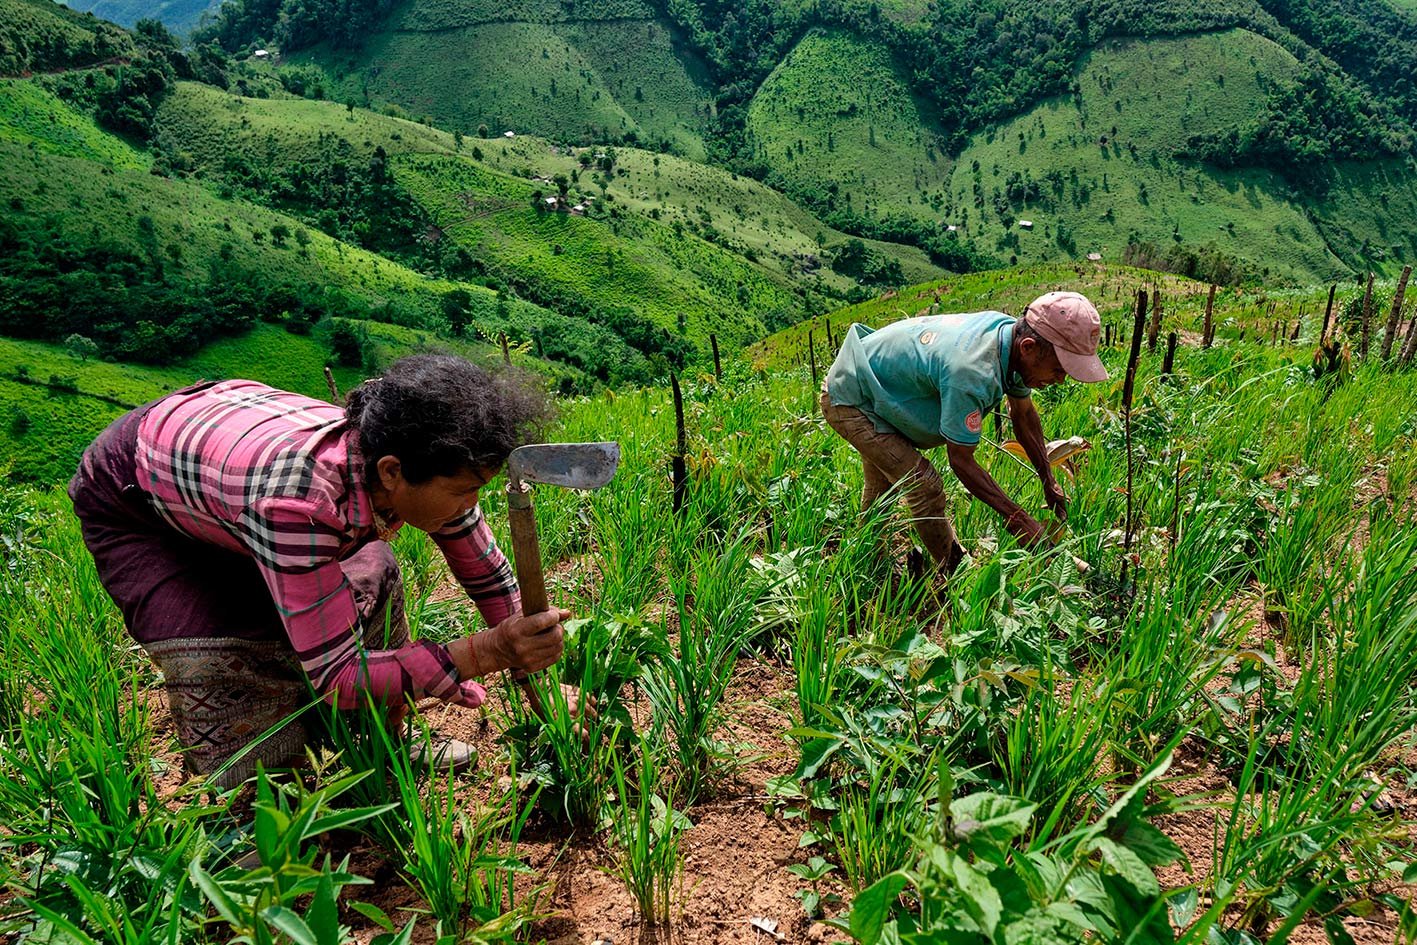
[(981, 61)]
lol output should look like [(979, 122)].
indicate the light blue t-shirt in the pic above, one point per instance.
[(931, 379)]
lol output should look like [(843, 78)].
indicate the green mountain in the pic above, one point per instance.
[(181, 16), (609, 70), (1255, 135), (42, 36)]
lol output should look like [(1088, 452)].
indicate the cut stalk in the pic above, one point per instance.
[(1128, 388), (1208, 333), (1396, 313), (678, 474), (1328, 314), (1367, 315)]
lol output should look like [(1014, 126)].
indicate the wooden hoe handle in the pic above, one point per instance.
[(526, 548)]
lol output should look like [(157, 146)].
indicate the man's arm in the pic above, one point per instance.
[(983, 487), (1028, 430)]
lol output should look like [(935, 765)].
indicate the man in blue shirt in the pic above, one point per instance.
[(927, 381)]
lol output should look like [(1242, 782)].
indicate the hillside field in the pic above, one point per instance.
[(821, 730), (1101, 170), (533, 69)]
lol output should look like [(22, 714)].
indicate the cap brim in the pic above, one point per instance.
[(1081, 367)]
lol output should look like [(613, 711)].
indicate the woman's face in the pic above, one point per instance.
[(428, 506)]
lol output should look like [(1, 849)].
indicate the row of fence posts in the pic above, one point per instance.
[(1111, 337)]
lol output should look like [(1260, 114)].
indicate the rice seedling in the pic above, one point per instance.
[(464, 866), (874, 828), (568, 757), (686, 682), (648, 833)]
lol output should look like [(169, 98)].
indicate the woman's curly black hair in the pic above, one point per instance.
[(442, 415)]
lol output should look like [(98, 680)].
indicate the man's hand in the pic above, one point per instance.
[(1055, 497)]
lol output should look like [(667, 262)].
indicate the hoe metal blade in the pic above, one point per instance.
[(571, 465)]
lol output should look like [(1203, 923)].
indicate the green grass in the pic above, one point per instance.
[(533, 68), (1150, 95), (212, 126), (838, 108), (748, 216), (32, 116)]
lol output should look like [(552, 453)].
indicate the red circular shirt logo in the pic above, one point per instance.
[(974, 423)]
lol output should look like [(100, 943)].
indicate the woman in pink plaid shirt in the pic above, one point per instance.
[(243, 532)]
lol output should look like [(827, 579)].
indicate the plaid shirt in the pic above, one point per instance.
[(270, 474)]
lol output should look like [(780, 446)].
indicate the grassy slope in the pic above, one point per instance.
[(531, 68), (102, 200), (1111, 288), (101, 203), (750, 215), (1155, 93), (655, 271), (632, 261), (32, 117), (825, 101), (62, 423)]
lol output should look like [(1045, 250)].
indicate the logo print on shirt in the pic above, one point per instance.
[(974, 423), (929, 337)]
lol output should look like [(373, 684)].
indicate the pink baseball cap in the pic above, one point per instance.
[(1071, 324)]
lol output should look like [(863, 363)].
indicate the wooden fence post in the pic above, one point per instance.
[(1367, 314), (1396, 313), (717, 367), (1208, 332), (1410, 347), (1153, 334), (1170, 360), (1328, 313), (677, 472)]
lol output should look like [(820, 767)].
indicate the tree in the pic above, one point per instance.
[(455, 309), (279, 234), (348, 341), (81, 346)]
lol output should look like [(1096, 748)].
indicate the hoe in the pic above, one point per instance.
[(571, 466)]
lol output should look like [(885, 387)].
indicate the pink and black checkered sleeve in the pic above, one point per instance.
[(295, 543), (480, 566)]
